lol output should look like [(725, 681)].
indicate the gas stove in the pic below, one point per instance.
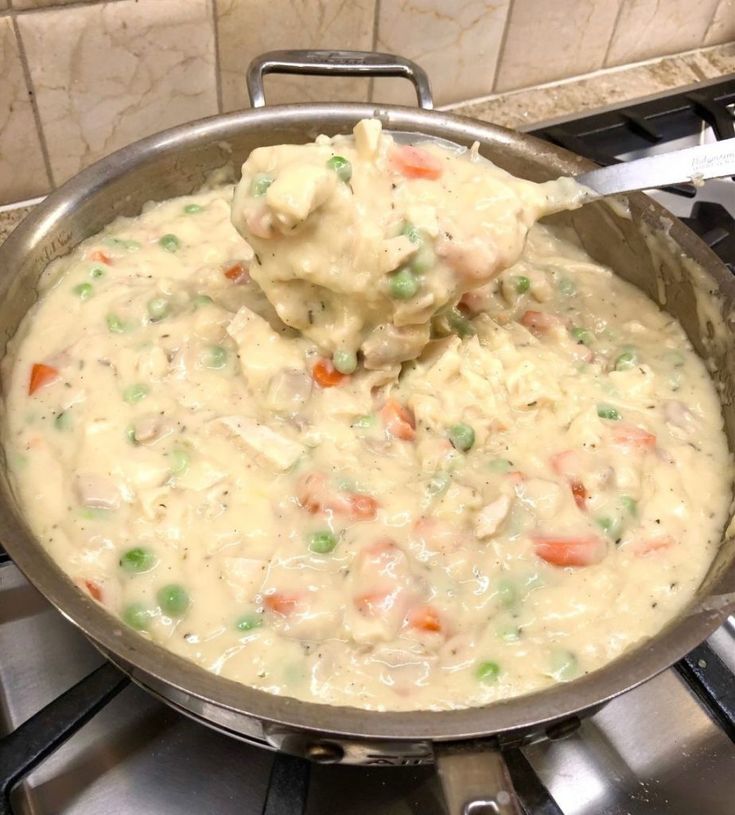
[(80, 739)]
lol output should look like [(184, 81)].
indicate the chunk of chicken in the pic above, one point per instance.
[(97, 491), (491, 516), (275, 448)]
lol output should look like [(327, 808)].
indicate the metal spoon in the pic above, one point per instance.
[(693, 164)]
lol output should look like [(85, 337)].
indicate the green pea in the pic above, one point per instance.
[(137, 616), (180, 460), (461, 436), (322, 542), (249, 621), (95, 514), (412, 233), (135, 393), (83, 291), (674, 358), (259, 185), (341, 166), (62, 420), (136, 560), (192, 209), (507, 592), (629, 504), (115, 324), (608, 412), (563, 665), (438, 484), (97, 272), (215, 357), (499, 465), (423, 260), (200, 300), (488, 671), (403, 284), (169, 242), (458, 323), (510, 633), (523, 284), (158, 308), (567, 287), (364, 422), (173, 599), (625, 361), (610, 525), (122, 243), (345, 361), (583, 336)]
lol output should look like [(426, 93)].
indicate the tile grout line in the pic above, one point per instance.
[(31, 90), (606, 57), (42, 9), (217, 63), (374, 46), (501, 47), (711, 21)]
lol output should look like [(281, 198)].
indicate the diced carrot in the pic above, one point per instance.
[(399, 421), (629, 435), (100, 257), (326, 375), (281, 602), (94, 589), (424, 618), (361, 507), (515, 477), (413, 162), (580, 493), (316, 495), (238, 273), (539, 322), (651, 545), (570, 550), (41, 375)]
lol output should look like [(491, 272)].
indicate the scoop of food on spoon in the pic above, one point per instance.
[(367, 245)]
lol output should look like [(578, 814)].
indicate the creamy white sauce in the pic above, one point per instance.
[(321, 546)]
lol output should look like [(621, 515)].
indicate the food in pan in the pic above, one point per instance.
[(431, 484)]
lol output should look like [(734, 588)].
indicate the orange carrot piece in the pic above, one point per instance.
[(424, 618), (570, 550), (326, 375), (280, 602), (41, 375), (399, 421), (238, 273), (100, 257), (94, 589), (413, 162)]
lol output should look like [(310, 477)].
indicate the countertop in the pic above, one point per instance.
[(521, 109)]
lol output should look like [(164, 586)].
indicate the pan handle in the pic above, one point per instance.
[(475, 780), (335, 63)]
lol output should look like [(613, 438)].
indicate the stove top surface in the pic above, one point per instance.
[(666, 746)]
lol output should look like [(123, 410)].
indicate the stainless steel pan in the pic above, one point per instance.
[(635, 236)]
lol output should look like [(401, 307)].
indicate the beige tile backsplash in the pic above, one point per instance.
[(552, 39), (22, 170), (647, 28), (457, 43), (80, 78), (246, 28)]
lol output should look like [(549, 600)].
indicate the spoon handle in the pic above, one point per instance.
[(694, 164)]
